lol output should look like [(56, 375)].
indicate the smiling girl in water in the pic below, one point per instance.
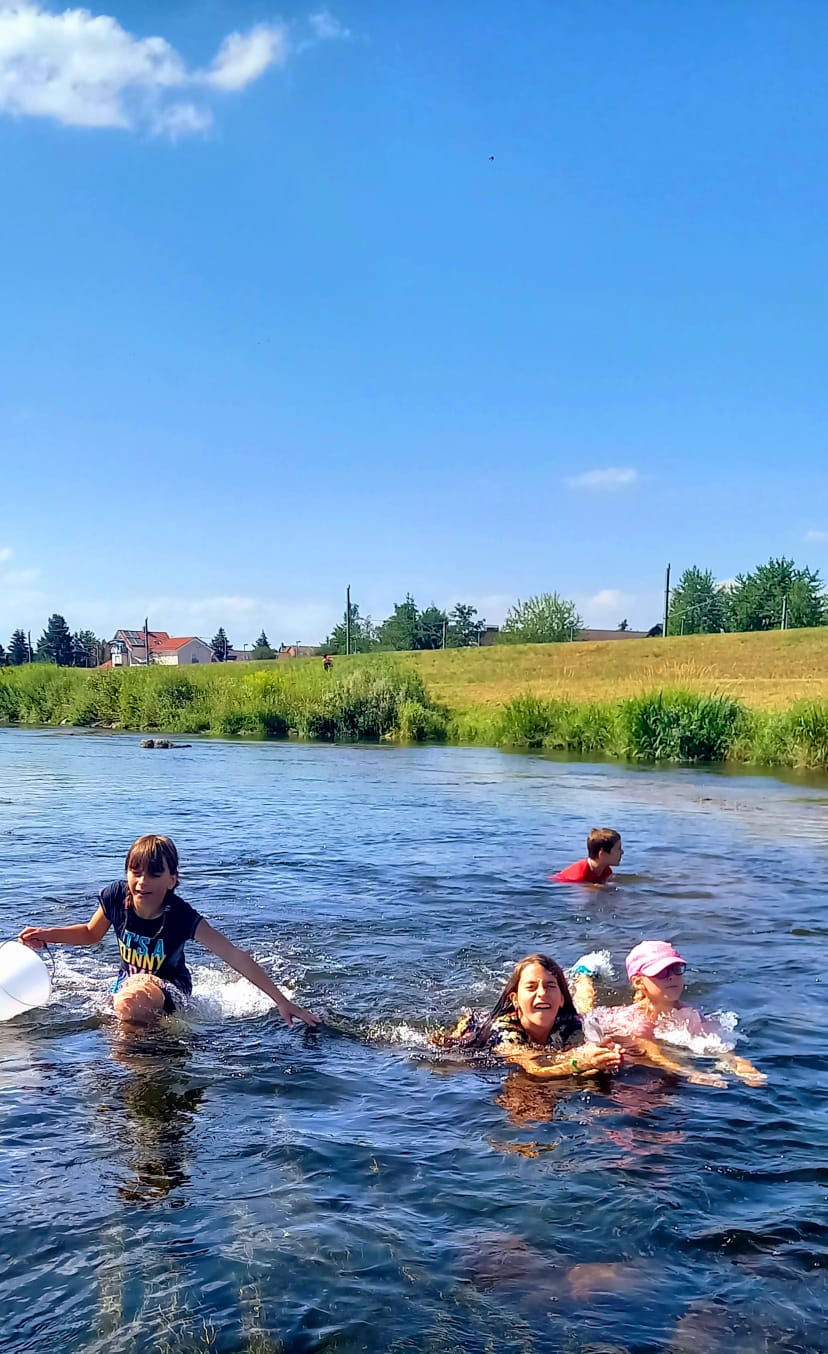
[(534, 1023), (153, 925), (656, 972)]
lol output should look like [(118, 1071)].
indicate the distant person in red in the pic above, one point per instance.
[(604, 850), (327, 662)]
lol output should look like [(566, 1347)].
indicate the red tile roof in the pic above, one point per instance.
[(170, 645)]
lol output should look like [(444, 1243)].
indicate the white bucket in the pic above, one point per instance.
[(25, 981)]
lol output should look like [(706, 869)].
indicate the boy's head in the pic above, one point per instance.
[(604, 846)]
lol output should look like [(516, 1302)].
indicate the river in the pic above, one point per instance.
[(228, 1184)]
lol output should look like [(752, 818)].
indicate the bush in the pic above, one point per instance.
[(679, 726)]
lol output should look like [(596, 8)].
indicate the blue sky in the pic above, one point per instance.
[(275, 322)]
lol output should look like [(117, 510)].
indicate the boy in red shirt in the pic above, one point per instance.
[(604, 850)]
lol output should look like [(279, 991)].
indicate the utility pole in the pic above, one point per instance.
[(785, 612), (29, 659), (348, 619), (445, 630), (666, 602)]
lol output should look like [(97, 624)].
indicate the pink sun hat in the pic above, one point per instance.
[(650, 958)]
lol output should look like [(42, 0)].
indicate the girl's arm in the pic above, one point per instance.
[(647, 1051), (584, 1061), (91, 932), (743, 1069), (246, 965)]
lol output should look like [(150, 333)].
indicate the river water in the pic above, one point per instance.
[(228, 1184)]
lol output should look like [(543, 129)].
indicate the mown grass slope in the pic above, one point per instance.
[(766, 671)]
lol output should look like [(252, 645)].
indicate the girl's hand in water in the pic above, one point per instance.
[(590, 1059), (290, 1012), (706, 1079), (33, 936)]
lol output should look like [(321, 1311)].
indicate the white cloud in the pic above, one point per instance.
[(234, 606), (611, 478), (6, 552), (19, 578), (85, 70), (326, 27), (608, 599), (816, 535), (181, 119), (243, 57)]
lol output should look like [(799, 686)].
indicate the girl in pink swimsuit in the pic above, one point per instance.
[(656, 972)]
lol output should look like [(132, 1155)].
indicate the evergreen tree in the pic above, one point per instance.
[(262, 649), (698, 605), (18, 649), (432, 625), (464, 627), (4, 658), (758, 601), (363, 634), (84, 649), (400, 630), (220, 645), (55, 644), (544, 619)]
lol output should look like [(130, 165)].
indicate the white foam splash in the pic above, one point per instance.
[(220, 995), (597, 963), (706, 1036)]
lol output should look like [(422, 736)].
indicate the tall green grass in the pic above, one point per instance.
[(378, 699)]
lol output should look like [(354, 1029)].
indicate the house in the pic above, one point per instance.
[(298, 651), (129, 649)]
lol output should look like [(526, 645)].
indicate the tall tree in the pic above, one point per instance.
[(624, 625), (759, 600), (464, 626), (432, 625), (262, 650), (544, 619), (220, 645), (363, 634), (698, 605), (19, 649), (55, 644), (400, 630), (4, 658), (85, 649)]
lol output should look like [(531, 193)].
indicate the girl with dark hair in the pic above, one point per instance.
[(153, 925), (534, 1023)]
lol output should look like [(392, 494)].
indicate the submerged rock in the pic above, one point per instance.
[(162, 743)]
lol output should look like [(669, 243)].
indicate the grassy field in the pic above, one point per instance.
[(767, 671), (759, 698)]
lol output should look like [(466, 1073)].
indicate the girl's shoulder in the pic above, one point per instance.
[(112, 897), (507, 1029)]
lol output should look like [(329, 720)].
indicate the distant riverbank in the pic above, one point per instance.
[(661, 710)]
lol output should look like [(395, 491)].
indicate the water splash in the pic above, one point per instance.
[(706, 1036)]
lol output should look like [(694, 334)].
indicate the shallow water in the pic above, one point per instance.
[(228, 1184)]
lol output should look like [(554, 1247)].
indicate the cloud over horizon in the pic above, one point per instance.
[(84, 70), (612, 478)]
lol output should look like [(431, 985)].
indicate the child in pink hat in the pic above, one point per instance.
[(656, 972)]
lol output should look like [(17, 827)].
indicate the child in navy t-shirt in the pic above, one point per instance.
[(153, 925)]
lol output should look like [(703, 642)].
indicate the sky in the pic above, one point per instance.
[(471, 300)]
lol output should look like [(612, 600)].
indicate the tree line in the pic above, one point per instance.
[(58, 644), (772, 596), (775, 595)]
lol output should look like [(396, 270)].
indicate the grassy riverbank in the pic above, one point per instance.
[(760, 699)]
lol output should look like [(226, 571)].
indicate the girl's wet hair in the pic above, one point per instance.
[(153, 855), (567, 1015)]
